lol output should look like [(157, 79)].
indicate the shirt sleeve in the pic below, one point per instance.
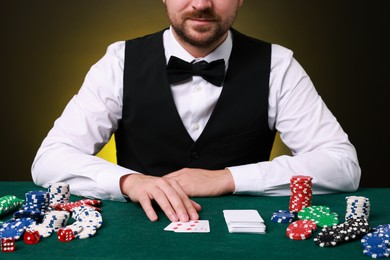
[(68, 152), (320, 148)]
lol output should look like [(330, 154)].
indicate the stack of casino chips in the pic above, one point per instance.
[(377, 244), (37, 202), (59, 193), (301, 192), (350, 230), (357, 207)]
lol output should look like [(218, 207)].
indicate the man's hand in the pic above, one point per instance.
[(203, 183), (167, 192)]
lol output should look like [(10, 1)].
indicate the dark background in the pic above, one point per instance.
[(48, 46)]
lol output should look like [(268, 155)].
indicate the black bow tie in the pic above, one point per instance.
[(179, 70)]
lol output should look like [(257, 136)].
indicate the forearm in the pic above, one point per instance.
[(87, 175), (331, 172)]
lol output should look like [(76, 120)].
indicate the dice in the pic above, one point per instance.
[(65, 234), (31, 237), (7, 244)]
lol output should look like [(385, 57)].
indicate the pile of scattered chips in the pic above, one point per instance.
[(376, 244), (89, 219), (52, 221), (357, 207), (14, 228), (321, 215), (300, 229), (46, 212), (350, 230), (301, 192)]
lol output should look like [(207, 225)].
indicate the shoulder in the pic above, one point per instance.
[(281, 52), (157, 36)]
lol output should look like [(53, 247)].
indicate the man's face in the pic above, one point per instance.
[(202, 23)]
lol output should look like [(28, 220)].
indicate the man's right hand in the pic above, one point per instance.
[(167, 193)]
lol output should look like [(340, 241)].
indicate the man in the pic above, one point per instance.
[(181, 136)]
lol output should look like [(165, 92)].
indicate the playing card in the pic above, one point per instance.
[(243, 218), (192, 226), (244, 221)]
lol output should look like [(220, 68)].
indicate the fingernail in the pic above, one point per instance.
[(184, 217), (194, 216), (173, 217)]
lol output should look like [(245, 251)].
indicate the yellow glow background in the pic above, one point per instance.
[(48, 47)]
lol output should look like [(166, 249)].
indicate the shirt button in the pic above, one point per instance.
[(195, 155), (197, 88), (195, 127)]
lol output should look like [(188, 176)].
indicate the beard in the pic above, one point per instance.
[(201, 36)]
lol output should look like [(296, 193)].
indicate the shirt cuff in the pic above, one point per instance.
[(248, 179), (108, 181)]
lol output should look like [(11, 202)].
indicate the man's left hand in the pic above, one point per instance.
[(204, 183)]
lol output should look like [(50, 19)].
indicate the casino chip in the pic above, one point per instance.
[(282, 216), (76, 227), (88, 231), (327, 237), (300, 229), (376, 244)]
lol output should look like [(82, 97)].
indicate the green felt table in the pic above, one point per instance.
[(126, 233)]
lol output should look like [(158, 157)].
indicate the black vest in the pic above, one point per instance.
[(151, 137)]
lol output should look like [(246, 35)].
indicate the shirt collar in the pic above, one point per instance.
[(173, 48)]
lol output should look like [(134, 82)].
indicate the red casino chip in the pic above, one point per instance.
[(300, 229)]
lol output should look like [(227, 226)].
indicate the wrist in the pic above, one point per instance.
[(125, 183), (228, 181)]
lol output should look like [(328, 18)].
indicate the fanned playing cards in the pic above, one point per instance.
[(244, 221), (192, 226)]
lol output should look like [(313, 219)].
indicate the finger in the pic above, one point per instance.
[(146, 205), (190, 209), (196, 205), (177, 199), (164, 201)]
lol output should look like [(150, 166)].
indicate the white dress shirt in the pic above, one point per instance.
[(319, 145)]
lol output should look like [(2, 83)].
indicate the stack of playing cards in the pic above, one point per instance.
[(192, 226), (244, 221)]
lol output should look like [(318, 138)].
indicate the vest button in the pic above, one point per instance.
[(195, 155)]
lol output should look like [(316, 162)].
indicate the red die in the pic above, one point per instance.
[(31, 237), (7, 244), (65, 234)]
